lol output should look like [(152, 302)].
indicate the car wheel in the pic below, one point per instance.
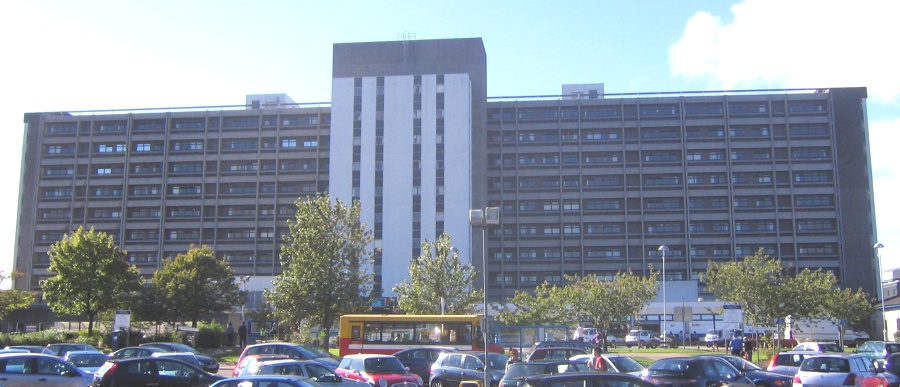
[(437, 383), (628, 345), (642, 344)]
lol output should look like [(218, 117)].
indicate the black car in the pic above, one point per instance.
[(452, 368), (891, 370), (701, 371), (419, 360), (516, 373), (586, 379), (757, 374), (151, 371), (209, 364), (129, 352)]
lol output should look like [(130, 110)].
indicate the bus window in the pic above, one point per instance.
[(355, 333)]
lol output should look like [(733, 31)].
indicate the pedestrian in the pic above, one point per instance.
[(229, 334), (737, 345), (748, 348), (596, 361), (242, 334), (513, 357), (579, 334)]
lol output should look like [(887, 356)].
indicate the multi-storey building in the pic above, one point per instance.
[(587, 182)]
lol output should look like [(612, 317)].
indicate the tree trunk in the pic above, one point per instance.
[(91, 322)]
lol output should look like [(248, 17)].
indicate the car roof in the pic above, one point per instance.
[(366, 355), (84, 353), (287, 361), (26, 354), (429, 347)]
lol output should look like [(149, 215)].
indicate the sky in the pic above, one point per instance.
[(60, 55)]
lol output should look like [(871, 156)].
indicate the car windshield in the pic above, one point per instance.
[(829, 347), (742, 364), (825, 364), (497, 361), (183, 348), (670, 367), (892, 348), (88, 359), (626, 364), (314, 353), (383, 365)]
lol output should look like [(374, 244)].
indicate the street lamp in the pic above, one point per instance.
[(664, 248), (878, 247), (484, 219), (244, 280)]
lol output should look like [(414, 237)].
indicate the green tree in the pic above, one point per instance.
[(438, 274), (195, 284), (11, 299), (324, 258), (91, 275), (605, 303), (544, 307), (767, 291)]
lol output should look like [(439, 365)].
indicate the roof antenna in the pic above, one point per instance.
[(406, 36)]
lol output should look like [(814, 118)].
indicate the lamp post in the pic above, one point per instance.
[(878, 247), (664, 248), (484, 219), (244, 280)]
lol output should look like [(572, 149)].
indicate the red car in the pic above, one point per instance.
[(377, 371)]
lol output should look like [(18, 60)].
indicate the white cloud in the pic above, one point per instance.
[(794, 44)]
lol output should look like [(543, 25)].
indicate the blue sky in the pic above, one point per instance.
[(91, 55)]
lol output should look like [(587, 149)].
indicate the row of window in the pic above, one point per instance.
[(796, 154), (190, 123), (545, 136), (184, 189), (651, 110), (189, 145), (742, 226), (526, 253), (662, 203), (653, 180), (172, 212), (189, 167)]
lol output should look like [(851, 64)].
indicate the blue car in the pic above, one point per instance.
[(757, 374)]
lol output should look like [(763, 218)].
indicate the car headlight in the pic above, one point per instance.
[(382, 382)]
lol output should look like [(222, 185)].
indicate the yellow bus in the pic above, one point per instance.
[(390, 333)]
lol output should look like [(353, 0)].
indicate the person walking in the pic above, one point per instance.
[(737, 345), (242, 334), (229, 334), (748, 348)]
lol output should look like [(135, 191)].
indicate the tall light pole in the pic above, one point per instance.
[(878, 247), (664, 248), (489, 217), (244, 280)]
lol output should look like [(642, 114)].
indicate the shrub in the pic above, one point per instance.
[(210, 335)]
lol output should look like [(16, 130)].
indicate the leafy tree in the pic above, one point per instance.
[(543, 307), (91, 275), (767, 291), (196, 283), (607, 302), (11, 299), (435, 275), (323, 258), (602, 302)]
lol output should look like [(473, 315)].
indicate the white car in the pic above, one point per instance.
[(592, 335), (616, 363), (306, 368), (642, 338), (37, 369)]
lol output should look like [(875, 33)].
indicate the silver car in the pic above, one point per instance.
[(837, 370), (36, 369), (313, 370)]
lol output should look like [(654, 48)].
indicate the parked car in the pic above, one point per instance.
[(554, 353), (593, 378), (616, 363), (695, 372), (249, 360), (32, 349), (38, 369), (714, 336), (818, 346), (265, 381), (586, 346), (60, 349), (186, 357), (451, 368), (207, 363), (419, 360), (759, 376), (89, 361), (516, 373), (592, 335), (788, 362), (891, 369), (129, 352), (293, 351), (306, 368), (877, 351), (151, 371), (838, 370), (642, 338), (377, 370)]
